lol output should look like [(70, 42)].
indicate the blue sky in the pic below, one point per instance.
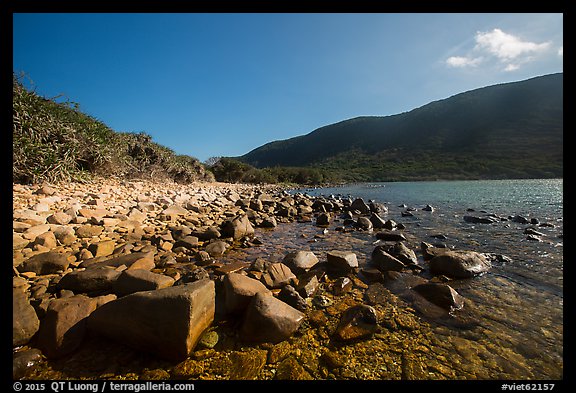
[(223, 84)]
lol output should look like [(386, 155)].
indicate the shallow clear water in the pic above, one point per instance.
[(519, 303)]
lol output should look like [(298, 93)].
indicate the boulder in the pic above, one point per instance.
[(277, 275), (64, 326), (307, 284), (167, 322), (356, 322), (390, 235), (99, 279), (217, 248), (384, 261), (377, 221), (239, 290), (237, 228), (45, 263), (25, 322), (441, 294), (268, 319), (459, 264), (25, 361), (480, 220), (135, 260), (341, 261), (103, 248), (404, 254), (364, 223), (323, 219), (300, 261), (290, 296), (360, 205), (135, 280)]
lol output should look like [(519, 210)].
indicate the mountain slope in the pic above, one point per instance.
[(501, 131)]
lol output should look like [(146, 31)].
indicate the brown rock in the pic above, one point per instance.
[(459, 264), (167, 322), (104, 248), (357, 322), (135, 280), (300, 261), (25, 322), (237, 228), (239, 290), (277, 275), (64, 326), (341, 261), (268, 319), (45, 263), (89, 280)]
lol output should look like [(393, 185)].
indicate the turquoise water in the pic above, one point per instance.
[(519, 303)]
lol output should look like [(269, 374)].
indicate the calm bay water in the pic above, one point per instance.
[(519, 303)]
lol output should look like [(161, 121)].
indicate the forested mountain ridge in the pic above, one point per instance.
[(510, 130)]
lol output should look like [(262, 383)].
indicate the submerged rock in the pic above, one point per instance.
[(442, 295), (459, 264), (357, 322)]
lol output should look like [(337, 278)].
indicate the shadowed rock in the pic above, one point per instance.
[(167, 322)]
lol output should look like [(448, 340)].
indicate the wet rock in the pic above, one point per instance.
[(323, 219), (430, 251), (247, 365), (532, 231), (167, 322), (356, 322), (377, 208), (290, 296), (279, 352), (135, 280), (189, 368), (361, 206), (342, 285), (520, 219), (401, 252), (25, 361), (45, 263), (377, 221), (371, 274), (428, 208), (480, 220), (268, 319), (239, 290), (384, 261), (442, 295), (341, 261), (63, 328), (277, 275), (459, 264), (290, 369), (307, 284), (208, 340), (237, 228), (411, 367), (203, 258), (300, 261), (99, 279), (364, 223), (389, 235), (322, 301), (25, 322)]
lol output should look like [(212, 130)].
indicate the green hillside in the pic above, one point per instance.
[(511, 130), (55, 141)]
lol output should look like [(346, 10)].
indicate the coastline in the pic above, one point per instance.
[(142, 214)]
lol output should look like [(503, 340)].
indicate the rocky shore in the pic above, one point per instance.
[(126, 280)]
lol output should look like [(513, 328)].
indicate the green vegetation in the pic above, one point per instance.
[(512, 130), (230, 170), (55, 141)]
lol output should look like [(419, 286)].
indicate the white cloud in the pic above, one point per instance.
[(500, 47), (506, 46), (460, 61), (561, 51)]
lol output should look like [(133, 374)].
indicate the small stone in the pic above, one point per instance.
[(357, 322), (341, 261)]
